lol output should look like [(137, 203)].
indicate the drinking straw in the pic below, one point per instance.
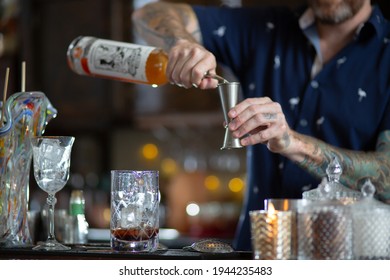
[(23, 76), (4, 94)]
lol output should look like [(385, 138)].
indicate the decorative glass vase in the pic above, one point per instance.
[(26, 114)]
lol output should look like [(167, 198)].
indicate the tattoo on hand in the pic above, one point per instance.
[(269, 116), (286, 139)]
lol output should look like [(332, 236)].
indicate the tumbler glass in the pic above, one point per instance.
[(134, 210)]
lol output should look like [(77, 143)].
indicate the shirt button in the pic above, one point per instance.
[(306, 188), (303, 122), (314, 84)]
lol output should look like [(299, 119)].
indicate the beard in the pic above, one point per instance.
[(335, 11)]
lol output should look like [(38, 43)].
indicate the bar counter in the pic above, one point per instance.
[(103, 251)]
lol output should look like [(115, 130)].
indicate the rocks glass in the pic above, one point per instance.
[(134, 210)]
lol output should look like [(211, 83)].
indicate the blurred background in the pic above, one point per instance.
[(126, 126)]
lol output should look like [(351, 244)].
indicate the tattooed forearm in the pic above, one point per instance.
[(163, 24), (316, 162), (357, 165)]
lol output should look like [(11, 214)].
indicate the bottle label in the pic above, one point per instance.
[(76, 209), (119, 60)]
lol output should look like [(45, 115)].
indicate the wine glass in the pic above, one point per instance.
[(51, 157)]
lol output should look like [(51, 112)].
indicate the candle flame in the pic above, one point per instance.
[(271, 208)]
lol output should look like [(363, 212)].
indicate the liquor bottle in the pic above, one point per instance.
[(115, 60), (79, 224)]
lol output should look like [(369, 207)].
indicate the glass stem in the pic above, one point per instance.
[(51, 201)]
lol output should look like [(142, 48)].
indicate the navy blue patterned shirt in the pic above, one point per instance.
[(345, 103)]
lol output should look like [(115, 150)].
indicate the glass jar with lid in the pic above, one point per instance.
[(371, 226), (325, 225), (331, 188)]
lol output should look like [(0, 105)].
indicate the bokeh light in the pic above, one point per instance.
[(212, 182), (192, 209), (107, 215), (168, 166), (236, 185), (150, 151)]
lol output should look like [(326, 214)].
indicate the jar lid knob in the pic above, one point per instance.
[(368, 189), (334, 170)]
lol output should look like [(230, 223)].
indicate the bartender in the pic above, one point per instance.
[(316, 86)]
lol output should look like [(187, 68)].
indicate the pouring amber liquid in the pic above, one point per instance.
[(120, 61)]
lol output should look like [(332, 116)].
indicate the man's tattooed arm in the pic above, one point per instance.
[(163, 24), (314, 156)]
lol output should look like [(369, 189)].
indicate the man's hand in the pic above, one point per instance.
[(175, 28), (188, 63), (260, 120)]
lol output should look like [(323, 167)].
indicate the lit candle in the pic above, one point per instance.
[(272, 234)]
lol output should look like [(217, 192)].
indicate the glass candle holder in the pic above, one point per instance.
[(272, 234)]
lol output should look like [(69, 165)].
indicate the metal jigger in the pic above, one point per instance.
[(228, 93)]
